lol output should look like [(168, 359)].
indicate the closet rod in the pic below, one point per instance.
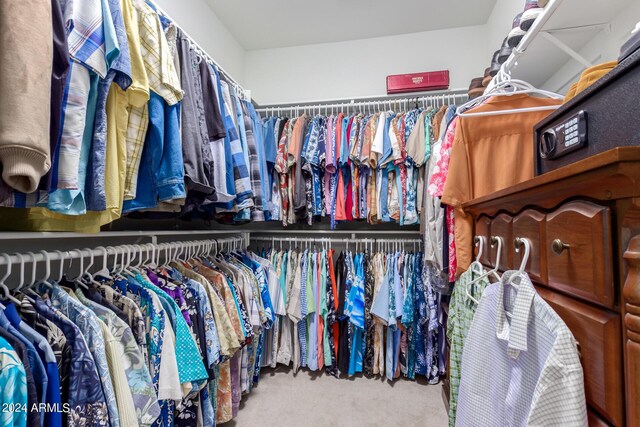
[(30, 235), (367, 101), (201, 50), (333, 239), (334, 232), (99, 252)]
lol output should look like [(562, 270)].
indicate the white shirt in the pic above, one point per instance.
[(376, 146), (169, 387), (525, 371)]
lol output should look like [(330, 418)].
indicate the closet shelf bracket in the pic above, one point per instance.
[(549, 35)]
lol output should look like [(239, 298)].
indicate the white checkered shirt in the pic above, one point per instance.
[(525, 372)]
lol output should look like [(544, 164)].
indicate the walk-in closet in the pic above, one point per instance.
[(345, 213)]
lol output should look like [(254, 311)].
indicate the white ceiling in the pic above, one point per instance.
[(264, 24)]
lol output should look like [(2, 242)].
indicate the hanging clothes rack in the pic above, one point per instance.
[(239, 241), (380, 244), (369, 103), (246, 94)]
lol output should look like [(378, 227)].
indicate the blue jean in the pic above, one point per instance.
[(161, 173)]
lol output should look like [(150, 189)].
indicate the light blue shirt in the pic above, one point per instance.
[(312, 358), (88, 324), (13, 386)]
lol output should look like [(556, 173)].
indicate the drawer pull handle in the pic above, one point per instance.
[(558, 246)]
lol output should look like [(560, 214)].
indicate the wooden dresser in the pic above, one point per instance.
[(583, 222)]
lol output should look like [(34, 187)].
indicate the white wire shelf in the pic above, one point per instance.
[(557, 36)]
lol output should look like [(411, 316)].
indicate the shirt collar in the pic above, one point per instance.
[(515, 333)]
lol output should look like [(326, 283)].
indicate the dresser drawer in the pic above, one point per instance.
[(578, 245), (530, 224), (598, 334), (595, 420), (501, 228)]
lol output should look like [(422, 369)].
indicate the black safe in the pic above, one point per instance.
[(604, 116)]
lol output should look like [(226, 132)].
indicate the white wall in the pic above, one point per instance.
[(605, 46), (204, 26), (359, 68)]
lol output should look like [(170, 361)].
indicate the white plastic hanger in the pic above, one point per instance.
[(23, 286), (63, 259), (83, 271), (508, 87), (87, 274), (5, 290), (521, 242), (476, 266), (28, 290), (104, 271), (127, 263)]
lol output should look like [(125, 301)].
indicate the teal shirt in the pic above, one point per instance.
[(190, 365), (13, 385)]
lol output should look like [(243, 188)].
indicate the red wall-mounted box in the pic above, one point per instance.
[(418, 82)]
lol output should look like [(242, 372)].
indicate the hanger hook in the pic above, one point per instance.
[(519, 242), (495, 240), (33, 271), (104, 256), (479, 240), (8, 273), (47, 259), (21, 257), (81, 259), (91, 259)]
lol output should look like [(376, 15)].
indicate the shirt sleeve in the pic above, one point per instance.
[(14, 391), (559, 398), (463, 231), (457, 188)]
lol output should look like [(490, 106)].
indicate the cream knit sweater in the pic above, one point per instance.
[(26, 49)]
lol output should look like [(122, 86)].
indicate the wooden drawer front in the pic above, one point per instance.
[(595, 420), (483, 229), (501, 227), (531, 225), (584, 268), (598, 334)]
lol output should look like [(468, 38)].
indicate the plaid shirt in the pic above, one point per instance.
[(461, 311), (523, 372), (86, 40), (244, 193), (257, 212), (163, 79)]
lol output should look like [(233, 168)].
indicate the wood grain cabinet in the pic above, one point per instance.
[(530, 224), (501, 228), (583, 222), (578, 240)]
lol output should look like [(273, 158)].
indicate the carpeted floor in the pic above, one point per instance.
[(282, 399)]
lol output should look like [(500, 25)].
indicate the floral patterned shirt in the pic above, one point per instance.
[(85, 395), (138, 378)]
